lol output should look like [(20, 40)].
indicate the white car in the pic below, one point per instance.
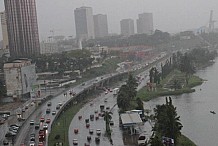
[(32, 122), (45, 126), (98, 131), (32, 144), (75, 142), (142, 140), (60, 104)]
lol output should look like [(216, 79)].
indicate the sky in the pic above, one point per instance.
[(169, 15)]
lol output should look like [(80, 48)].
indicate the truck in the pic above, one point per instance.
[(116, 90), (42, 135)]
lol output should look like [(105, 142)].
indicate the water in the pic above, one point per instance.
[(194, 109)]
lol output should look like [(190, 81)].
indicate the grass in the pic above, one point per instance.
[(148, 95), (185, 141), (61, 126)]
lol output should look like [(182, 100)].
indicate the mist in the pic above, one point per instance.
[(169, 15)]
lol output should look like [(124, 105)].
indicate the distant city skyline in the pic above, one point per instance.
[(170, 16)]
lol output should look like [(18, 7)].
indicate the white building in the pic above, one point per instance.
[(20, 78), (100, 25), (127, 27), (84, 23), (145, 23), (4, 30)]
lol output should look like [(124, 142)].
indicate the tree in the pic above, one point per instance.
[(167, 122)]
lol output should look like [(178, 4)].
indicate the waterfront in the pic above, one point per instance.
[(194, 108)]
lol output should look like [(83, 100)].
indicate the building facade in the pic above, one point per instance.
[(22, 27), (100, 25), (145, 23), (127, 27), (84, 23), (20, 77), (4, 30)]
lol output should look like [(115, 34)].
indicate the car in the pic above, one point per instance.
[(48, 121), (60, 104), (87, 125), (5, 142), (42, 119), (57, 107), (89, 138), (32, 103), (97, 139), (23, 110), (83, 84), (32, 122), (48, 110), (49, 103), (92, 117), (75, 141), (37, 126), (98, 132), (76, 131), (106, 92), (32, 139), (45, 126), (8, 134), (142, 140), (111, 123), (5, 116), (53, 113), (91, 131), (32, 135), (26, 107), (40, 144), (32, 143)]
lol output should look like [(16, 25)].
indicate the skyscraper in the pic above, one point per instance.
[(22, 27), (100, 25), (145, 23), (127, 27), (84, 23), (4, 30)]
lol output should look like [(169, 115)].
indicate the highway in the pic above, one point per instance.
[(23, 137), (91, 108)]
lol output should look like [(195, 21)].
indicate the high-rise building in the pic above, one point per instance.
[(4, 30), (145, 23), (127, 27), (22, 27), (100, 25), (84, 23)]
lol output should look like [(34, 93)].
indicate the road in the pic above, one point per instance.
[(23, 136), (90, 109)]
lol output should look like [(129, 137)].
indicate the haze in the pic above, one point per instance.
[(169, 15)]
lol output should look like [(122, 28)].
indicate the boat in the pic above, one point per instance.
[(212, 112)]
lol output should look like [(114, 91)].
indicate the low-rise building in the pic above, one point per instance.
[(20, 78)]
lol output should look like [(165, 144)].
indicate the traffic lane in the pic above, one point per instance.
[(86, 111)]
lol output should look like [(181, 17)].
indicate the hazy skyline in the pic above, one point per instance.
[(170, 15)]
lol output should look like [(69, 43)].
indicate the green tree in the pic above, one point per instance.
[(167, 121)]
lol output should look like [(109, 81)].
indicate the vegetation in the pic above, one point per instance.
[(167, 123), (127, 93)]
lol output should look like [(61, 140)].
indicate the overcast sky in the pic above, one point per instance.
[(168, 15)]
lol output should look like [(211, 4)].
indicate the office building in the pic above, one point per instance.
[(20, 77), (100, 25), (145, 23), (127, 27), (22, 27), (4, 30), (84, 23)]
